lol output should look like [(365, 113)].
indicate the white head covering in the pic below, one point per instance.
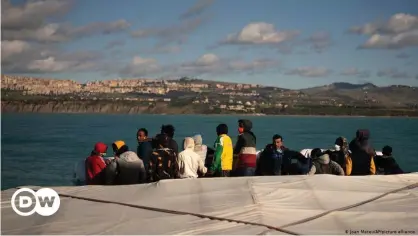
[(188, 143)]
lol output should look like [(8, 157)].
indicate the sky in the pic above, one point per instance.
[(285, 43)]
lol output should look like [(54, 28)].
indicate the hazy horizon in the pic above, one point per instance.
[(291, 44)]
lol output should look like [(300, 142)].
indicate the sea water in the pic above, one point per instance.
[(41, 149)]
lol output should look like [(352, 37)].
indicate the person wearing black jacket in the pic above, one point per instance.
[(271, 159), (169, 131), (362, 154), (386, 164)]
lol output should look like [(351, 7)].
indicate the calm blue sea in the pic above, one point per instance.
[(41, 149)]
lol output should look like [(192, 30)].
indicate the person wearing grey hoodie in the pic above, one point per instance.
[(324, 165), (199, 147)]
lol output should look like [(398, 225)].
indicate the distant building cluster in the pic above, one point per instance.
[(41, 86)]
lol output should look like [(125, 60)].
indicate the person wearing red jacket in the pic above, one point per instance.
[(95, 164)]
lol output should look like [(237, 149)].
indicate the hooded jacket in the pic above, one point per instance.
[(125, 169), (362, 154), (189, 162), (199, 147), (94, 165), (323, 165), (246, 146)]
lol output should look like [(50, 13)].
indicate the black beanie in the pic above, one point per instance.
[(339, 141), (387, 150)]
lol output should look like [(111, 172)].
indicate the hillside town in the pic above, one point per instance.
[(236, 97)]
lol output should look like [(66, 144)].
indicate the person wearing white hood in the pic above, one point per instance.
[(200, 148), (189, 162)]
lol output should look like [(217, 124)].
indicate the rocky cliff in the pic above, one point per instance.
[(84, 107)]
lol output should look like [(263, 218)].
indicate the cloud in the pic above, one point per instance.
[(114, 43), (10, 48), (41, 59), (259, 33), (310, 72), (394, 74), (197, 9), (141, 67), (174, 33), (56, 32), (207, 64), (320, 41), (31, 14), (403, 55), (400, 31), (164, 49), (356, 72)]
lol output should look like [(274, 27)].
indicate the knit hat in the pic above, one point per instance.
[(100, 148), (119, 144)]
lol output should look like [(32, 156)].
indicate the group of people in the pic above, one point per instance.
[(159, 158)]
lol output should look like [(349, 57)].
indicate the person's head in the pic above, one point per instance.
[(315, 153), (277, 141), (362, 134), (222, 129), (161, 141), (188, 143), (198, 141), (142, 134), (387, 151), (100, 149), (119, 147), (168, 130), (244, 125), (341, 144)]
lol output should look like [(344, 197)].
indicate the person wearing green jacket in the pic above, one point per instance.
[(222, 159)]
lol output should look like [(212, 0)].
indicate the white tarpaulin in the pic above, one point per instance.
[(319, 204)]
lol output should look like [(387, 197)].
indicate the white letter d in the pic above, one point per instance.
[(25, 201)]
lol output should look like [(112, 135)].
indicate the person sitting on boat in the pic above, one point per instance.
[(125, 168), (199, 147), (324, 165), (163, 161), (221, 165), (271, 158), (95, 164), (169, 131), (362, 154), (245, 148), (295, 163), (341, 155), (189, 162), (144, 148), (386, 164)]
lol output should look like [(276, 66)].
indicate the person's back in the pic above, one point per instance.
[(172, 144), (163, 161), (323, 165), (221, 165), (294, 163), (386, 164), (199, 147), (189, 163), (125, 168), (95, 165), (362, 154)]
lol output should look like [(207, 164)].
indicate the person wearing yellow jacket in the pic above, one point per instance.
[(223, 156)]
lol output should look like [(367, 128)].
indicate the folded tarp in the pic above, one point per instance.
[(319, 204)]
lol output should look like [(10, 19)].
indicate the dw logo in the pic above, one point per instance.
[(46, 202)]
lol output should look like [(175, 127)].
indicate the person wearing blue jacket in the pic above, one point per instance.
[(144, 149)]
